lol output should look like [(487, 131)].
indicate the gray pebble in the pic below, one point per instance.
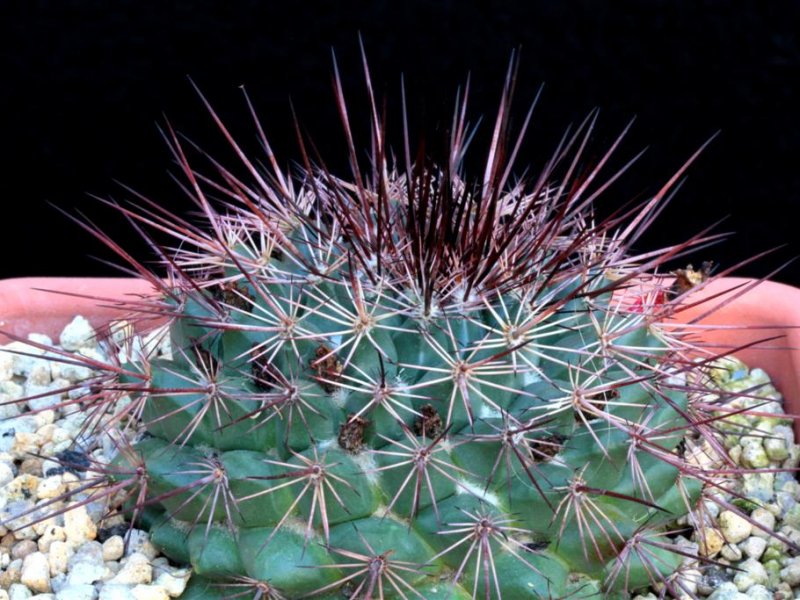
[(78, 334), (77, 592), (752, 573), (759, 486), (765, 520), (791, 573), (48, 394), (731, 552), (8, 408), (753, 547), (759, 592), (17, 591), (727, 591), (6, 473), (113, 591), (85, 573)]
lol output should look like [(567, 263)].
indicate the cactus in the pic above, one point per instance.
[(408, 383)]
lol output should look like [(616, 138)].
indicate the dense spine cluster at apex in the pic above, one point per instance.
[(410, 382)]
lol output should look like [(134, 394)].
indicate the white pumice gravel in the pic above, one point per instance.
[(70, 556), (751, 563)]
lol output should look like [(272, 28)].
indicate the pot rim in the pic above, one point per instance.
[(770, 339)]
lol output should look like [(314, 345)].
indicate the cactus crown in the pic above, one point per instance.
[(409, 383)]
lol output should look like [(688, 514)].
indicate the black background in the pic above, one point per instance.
[(84, 85)]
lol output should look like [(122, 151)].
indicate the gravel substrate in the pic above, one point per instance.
[(749, 561), (78, 555)]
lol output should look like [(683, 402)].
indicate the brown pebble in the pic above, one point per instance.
[(8, 540), (11, 575), (31, 466), (22, 548)]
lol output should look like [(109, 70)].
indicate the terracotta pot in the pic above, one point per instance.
[(754, 313), (763, 316), (38, 304)]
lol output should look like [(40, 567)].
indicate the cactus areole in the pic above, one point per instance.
[(409, 382)]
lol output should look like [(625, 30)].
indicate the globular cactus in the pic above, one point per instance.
[(411, 383)]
